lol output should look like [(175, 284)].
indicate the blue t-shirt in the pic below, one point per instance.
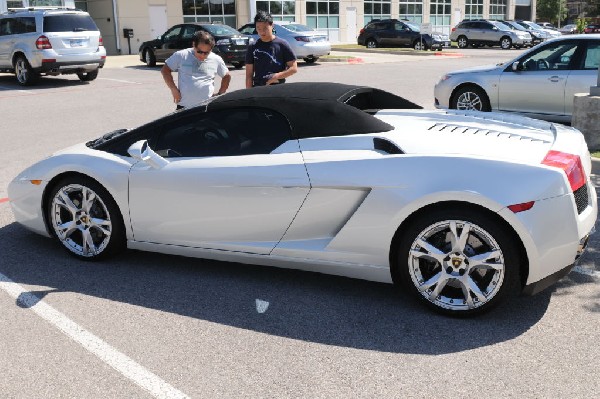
[(268, 58)]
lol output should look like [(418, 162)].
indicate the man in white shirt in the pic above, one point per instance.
[(196, 68)]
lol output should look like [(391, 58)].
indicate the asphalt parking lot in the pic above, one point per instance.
[(147, 325)]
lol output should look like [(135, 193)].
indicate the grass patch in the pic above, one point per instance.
[(595, 154)]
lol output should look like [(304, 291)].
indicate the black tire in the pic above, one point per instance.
[(149, 57), (470, 98), (445, 268), (87, 76), (506, 43), (371, 43), (238, 65), (25, 75), (417, 45), (310, 60), (87, 231), (462, 42)]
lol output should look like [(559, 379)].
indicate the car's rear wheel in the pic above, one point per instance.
[(462, 42), (87, 76), (458, 261), (310, 60), (85, 218), (471, 98), (238, 65), (506, 43), (26, 76), (371, 43), (149, 58)]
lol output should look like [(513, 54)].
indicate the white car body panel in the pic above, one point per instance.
[(335, 206)]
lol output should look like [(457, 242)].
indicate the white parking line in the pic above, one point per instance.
[(120, 80), (586, 271), (123, 364)]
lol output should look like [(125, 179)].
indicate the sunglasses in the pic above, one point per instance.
[(203, 52)]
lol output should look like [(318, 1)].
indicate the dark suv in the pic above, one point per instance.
[(231, 45), (394, 33)]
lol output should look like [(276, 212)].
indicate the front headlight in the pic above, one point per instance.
[(223, 42), (251, 40), (444, 78), (437, 37)]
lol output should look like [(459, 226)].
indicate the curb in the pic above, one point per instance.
[(351, 60), (395, 52)]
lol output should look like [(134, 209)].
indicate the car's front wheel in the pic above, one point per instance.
[(470, 98), (149, 58), (87, 76), (505, 43), (458, 261), (26, 76), (371, 43), (310, 60), (85, 218)]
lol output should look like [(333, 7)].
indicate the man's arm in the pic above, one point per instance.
[(224, 84), (166, 73), (292, 68), (249, 75)]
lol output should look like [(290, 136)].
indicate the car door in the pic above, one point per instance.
[(586, 75), (402, 35), (234, 181), (385, 33), (539, 84), (170, 43), (7, 40)]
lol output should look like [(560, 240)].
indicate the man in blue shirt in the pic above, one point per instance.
[(270, 60)]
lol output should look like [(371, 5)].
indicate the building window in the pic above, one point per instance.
[(473, 9), (221, 11), (377, 9), (14, 4), (279, 10), (497, 9), (439, 14), (323, 14), (44, 3), (411, 10)]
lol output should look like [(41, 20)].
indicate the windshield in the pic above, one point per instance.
[(516, 26), (221, 30), (500, 26), (413, 26), (297, 28)]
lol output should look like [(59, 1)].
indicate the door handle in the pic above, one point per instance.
[(555, 79)]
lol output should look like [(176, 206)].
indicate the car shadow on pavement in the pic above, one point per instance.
[(299, 305), (9, 82)]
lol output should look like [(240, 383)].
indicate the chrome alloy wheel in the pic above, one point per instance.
[(21, 70), (456, 265), (81, 220), (469, 101)]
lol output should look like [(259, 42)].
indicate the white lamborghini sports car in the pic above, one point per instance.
[(461, 209)]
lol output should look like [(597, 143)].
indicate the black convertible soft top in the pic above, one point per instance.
[(319, 109)]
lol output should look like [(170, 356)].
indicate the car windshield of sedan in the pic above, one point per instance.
[(413, 27), (221, 30), (297, 28)]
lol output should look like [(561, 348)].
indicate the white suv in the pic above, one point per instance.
[(35, 42)]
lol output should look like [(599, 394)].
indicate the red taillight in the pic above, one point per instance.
[(525, 206), (302, 39), (43, 43), (100, 41), (570, 163), (362, 31), (453, 29)]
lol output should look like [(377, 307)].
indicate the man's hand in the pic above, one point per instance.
[(273, 79), (176, 95)]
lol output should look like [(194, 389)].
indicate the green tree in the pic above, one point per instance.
[(581, 24), (552, 10)]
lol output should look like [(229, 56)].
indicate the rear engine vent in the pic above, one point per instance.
[(581, 198), (444, 127), (386, 146)]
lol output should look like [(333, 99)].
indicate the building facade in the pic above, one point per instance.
[(341, 19)]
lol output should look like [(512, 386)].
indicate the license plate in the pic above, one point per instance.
[(239, 42), (447, 44), (77, 42)]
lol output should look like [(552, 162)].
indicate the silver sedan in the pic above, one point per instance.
[(540, 83)]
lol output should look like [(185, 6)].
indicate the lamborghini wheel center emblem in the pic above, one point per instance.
[(456, 262)]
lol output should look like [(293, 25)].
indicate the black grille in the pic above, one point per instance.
[(581, 198)]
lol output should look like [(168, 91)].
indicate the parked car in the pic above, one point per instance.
[(549, 32), (546, 25), (247, 177), (36, 42), (231, 45), (537, 35), (592, 28), (307, 43), (395, 33), (481, 32), (540, 83), (569, 29)]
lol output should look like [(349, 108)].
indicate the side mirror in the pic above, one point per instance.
[(141, 151), (516, 66)]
